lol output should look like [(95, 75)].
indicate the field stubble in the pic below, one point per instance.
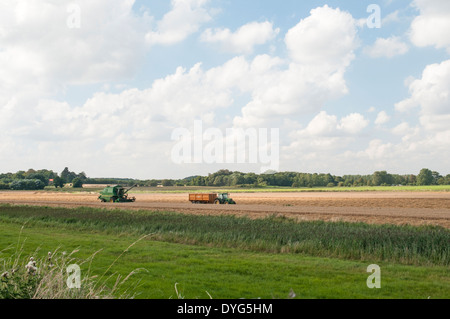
[(413, 208)]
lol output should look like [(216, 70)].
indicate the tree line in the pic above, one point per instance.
[(39, 179), (299, 180)]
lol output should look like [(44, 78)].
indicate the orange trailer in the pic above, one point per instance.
[(202, 198)]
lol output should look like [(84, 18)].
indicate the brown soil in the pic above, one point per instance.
[(415, 208)]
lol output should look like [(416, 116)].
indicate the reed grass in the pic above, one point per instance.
[(424, 245)]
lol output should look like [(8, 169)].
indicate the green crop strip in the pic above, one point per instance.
[(426, 245)]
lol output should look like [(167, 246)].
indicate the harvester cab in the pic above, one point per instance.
[(116, 194)]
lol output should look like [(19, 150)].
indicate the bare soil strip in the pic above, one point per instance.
[(414, 208)]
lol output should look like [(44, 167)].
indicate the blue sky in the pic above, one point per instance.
[(102, 86)]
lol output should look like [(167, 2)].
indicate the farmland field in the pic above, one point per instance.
[(270, 245), (414, 208)]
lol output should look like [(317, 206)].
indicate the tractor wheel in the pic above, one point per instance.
[(226, 203), (217, 202)]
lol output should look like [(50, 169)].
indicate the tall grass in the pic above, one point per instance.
[(46, 277), (425, 245)]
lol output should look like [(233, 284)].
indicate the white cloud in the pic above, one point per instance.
[(242, 40), (382, 118), (39, 50), (353, 123), (283, 93), (431, 27), (391, 17), (431, 94), (41, 55), (388, 48), (150, 114), (326, 37), (322, 124), (184, 19), (378, 150), (325, 137), (328, 125), (427, 143), (401, 129), (320, 52)]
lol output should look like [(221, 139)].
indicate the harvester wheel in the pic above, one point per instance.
[(111, 200)]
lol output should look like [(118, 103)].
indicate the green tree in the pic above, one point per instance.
[(237, 179), (58, 182), (382, 178), (412, 179), (27, 184), (219, 181), (19, 175), (153, 183), (77, 183), (4, 185), (82, 176), (167, 183), (68, 176), (436, 177), (65, 175), (38, 176), (425, 177)]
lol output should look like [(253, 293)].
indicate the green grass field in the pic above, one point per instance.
[(229, 258)]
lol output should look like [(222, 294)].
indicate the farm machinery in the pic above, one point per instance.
[(116, 194), (217, 199)]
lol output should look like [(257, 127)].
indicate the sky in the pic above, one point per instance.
[(153, 89)]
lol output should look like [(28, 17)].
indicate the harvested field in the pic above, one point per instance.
[(414, 208)]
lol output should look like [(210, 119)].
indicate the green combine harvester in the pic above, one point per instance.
[(116, 194)]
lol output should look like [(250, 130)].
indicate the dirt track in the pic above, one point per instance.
[(427, 208)]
